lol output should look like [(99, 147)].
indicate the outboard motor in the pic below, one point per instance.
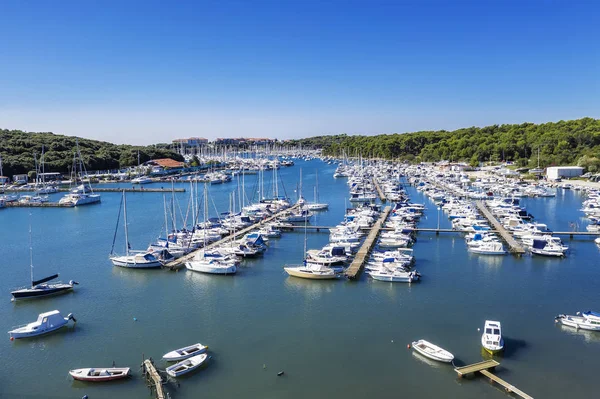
[(73, 282), (71, 317)]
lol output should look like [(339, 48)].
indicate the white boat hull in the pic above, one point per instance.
[(432, 351)]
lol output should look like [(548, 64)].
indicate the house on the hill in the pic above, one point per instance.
[(164, 165)]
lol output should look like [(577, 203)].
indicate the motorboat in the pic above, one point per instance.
[(395, 276), (488, 248), (491, 339), (432, 351), (547, 248), (185, 352), (187, 365), (141, 180), (100, 374), (583, 320), (211, 265), (45, 323), (311, 271)]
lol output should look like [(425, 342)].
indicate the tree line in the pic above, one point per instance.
[(17, 149), (559, 143)]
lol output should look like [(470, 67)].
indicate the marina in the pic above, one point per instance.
[(514, 246), (258, 297)]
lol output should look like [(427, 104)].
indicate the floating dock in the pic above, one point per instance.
[(484, 369), (513, 245), (179, 263), (381, 194), (153, 379), (361, 256)]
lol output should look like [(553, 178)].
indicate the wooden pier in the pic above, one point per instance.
[(381, 194), (153, 379), (514, 246), (179, 263), (361, 256), (484, 369)]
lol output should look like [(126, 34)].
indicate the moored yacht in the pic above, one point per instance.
[(491, 339)]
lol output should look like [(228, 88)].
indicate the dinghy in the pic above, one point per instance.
[(184, 353), (185, 366), (432, 351), (100, 374)]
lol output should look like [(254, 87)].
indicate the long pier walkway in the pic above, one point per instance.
[(153, 379), (380, 192), (484, 368), (514, 246), (133, 189), (356, 266), (178, 263)]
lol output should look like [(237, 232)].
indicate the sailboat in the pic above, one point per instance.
[(132, 259), (311, 271), (208, 264), (316, 206), (82, 194), (39, 288)]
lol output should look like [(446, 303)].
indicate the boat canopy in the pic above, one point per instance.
[(338, 251), (539, 244)]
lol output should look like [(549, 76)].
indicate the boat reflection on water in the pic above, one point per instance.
[(313, 288), (490, 261), (429, 362), (587, 335)]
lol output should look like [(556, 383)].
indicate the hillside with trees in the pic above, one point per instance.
[(17, 149), (559, 143)]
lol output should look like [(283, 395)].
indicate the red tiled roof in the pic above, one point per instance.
[(167, 163)]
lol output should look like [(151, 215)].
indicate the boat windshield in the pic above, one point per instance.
[(496, 331), (488, 330)]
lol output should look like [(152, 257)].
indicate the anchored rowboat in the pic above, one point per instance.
[(432, 351), (184, 353), (187, 365), (100, 374)]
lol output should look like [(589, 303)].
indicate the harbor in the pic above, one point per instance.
[(255, 303)]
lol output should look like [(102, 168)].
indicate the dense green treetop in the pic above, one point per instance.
[(559, 143), (17, 149)]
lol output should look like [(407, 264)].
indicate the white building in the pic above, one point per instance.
[(556, 172)]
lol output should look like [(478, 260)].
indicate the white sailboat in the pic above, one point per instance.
[(82, 194), (310, 271), (316, 205), (139, 260), (208, 264)]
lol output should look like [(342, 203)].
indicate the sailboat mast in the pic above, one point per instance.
[(125, 223), (30, 250), (166, 220)]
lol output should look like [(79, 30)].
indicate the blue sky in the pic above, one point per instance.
[(150, 71)]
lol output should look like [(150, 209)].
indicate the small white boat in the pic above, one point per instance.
[(432, 351), (185, 366), (184, 353), (491, 339), (395, 276), (100, 374), (45, 323)]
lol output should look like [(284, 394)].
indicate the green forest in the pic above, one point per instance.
[(17, 149), (559, 143)]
